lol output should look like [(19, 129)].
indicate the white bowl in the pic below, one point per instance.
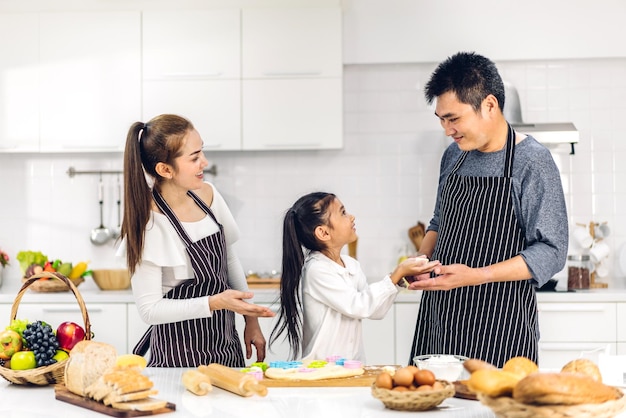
[(447, 367)]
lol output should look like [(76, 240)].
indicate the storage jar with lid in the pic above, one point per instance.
[(579, 269)]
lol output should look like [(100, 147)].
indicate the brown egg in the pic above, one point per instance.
[(403, 377), (438, 386), (424, 388), (424, 377), (384, 381), (413, 369)]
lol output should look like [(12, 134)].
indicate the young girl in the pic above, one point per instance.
[(325, 294), (177, 236)]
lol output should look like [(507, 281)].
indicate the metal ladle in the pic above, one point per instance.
[(116, 232), (101, 234)]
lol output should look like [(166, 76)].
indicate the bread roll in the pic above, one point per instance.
[(584, 366), (562, 389), (474, 364), (521, 366), (492, 382), (87, 362)]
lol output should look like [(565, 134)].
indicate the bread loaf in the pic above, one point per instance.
[(521, 366), (474, 364), (584, 366), (88, 361), (492, 382), (562, 389)]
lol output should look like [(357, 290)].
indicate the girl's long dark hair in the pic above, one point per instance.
[(309, 212)]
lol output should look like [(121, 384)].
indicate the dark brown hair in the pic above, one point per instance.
[(147, 144), (309, 212)]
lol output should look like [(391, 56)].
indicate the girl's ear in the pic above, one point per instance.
[(322, 233), (164, 170)]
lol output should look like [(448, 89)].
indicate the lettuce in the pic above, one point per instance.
[(26, 258)]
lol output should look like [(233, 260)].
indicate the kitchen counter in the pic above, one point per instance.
[(94, 295), (27, 401)]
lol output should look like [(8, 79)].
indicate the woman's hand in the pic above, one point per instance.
[(234, 300), (252, 335)]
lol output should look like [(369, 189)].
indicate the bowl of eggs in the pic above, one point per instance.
[(411, 389), (445, 366)]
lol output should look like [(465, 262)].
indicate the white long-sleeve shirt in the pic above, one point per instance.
[(335, 299), (165, 264)]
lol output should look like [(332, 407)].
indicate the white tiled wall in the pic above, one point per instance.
[(386, 175)]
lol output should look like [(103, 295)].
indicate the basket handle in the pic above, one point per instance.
[(81, 303)]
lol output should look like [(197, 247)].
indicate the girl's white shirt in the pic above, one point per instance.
[(165, 264), (334, 301)]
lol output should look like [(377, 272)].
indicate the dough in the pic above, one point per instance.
[(327, 372)]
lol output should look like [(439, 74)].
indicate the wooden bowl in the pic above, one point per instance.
[(111, 279)]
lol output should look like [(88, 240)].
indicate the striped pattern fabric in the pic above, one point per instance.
[(198, 341), (478, 227)]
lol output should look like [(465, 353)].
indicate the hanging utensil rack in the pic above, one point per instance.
[(73, 172)]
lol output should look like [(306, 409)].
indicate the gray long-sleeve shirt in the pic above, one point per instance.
[(537, 197)]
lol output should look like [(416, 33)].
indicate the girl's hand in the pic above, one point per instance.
[(414, 267), (234, 300)]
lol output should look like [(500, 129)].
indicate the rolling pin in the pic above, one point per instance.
[(196, 382), (233, 380)]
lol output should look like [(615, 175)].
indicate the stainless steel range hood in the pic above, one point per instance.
[(548, 133)]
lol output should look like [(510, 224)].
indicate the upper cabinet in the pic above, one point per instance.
[(89, 79), (192, 67), (19, 82), (292, 79), (399, 31)]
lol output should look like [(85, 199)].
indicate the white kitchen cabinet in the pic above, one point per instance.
[(19, 82), (192, 67), (568, 329), (405, 320), (292, 114), (404, 31), (107, 319), (90, 79), (135, 327), (292, 79), (279, 43), (378, 338)]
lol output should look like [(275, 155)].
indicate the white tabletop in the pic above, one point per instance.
[(18, 401)]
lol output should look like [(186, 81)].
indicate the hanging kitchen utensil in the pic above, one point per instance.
[(115, 233), (416, 234), (101, 234)]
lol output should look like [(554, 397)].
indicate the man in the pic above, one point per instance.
[(499, 227)]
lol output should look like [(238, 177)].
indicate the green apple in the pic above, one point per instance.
[(60, 355), (23, 360)]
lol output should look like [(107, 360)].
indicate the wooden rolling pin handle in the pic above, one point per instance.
[(253, 386)]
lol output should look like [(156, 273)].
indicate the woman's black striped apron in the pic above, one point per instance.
[(478, 227), (193, 342)]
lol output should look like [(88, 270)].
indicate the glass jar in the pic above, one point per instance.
[(579, 268)]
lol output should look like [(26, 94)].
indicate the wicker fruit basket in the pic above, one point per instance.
[(507, 407), (413, 400), (54, 373), (53, 282)]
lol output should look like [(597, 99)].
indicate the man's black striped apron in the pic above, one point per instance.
[(478, 227), (193, 342)]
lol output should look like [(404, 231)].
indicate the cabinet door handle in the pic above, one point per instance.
[(69, 310), (291, 73)]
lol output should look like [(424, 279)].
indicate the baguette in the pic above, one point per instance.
[(474, 364), (563, 389)]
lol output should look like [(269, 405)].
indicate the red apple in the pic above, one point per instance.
[(68, 334)]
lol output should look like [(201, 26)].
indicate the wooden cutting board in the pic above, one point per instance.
[(62, 394), (263, 282), (366, 379)]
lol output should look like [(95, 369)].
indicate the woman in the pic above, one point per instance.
[(177, 237)]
